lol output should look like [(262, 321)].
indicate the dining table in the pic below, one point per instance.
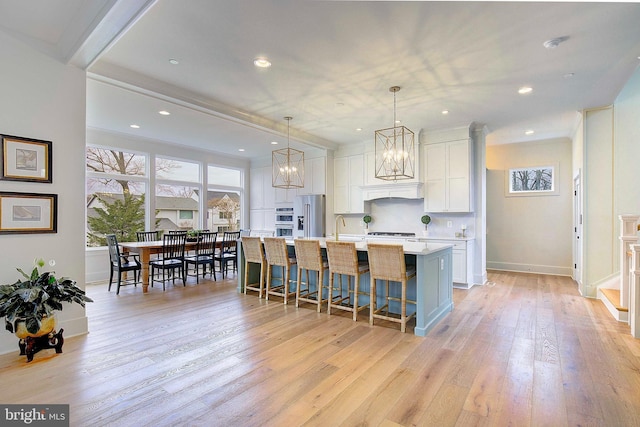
[(146, 249)]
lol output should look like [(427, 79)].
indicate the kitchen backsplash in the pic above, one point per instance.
[(403, 215)]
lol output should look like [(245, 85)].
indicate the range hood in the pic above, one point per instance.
[(399, 190)]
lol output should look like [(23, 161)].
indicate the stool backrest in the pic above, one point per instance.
[(343, 257), (252, 248), (275, 249), (308, 254), (386, 262)]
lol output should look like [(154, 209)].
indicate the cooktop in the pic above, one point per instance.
[(391, 233)]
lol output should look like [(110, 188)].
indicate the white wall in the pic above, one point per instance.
[(531, 233), (44, 99)]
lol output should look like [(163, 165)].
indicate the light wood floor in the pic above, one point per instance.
[(524, 350)]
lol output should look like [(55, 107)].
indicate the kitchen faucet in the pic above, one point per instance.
[(343, 224)]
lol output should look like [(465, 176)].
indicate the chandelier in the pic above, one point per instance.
[(287, 165), (394, 150)]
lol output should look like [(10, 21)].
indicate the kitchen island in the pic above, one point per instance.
[(432, 288)]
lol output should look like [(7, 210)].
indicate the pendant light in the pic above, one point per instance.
[(287, 165), (394, 149)]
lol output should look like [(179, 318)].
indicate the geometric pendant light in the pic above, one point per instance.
[(287, 166), (394, 150)]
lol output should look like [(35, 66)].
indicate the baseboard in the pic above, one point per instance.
[(530, 268), (618, 313)]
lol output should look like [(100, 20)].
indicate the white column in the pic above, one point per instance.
[(634, 306), (628, 237)]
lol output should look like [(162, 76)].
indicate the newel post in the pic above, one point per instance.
[(634, 305)]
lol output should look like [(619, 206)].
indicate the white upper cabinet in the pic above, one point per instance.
[(315, 176), (448, 175), (261, 192), (348, 182)]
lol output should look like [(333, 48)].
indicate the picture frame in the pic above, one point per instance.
[(26, 159), (22, 213)]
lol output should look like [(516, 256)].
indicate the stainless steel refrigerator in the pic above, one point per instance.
[(309, 216)]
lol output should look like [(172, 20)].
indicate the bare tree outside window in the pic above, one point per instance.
[(538, 179)]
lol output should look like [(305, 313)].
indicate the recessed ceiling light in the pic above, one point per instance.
[(568, 75), (174, 61), (525, 90), (445, 112), (529, 132), (398, 122), (240, 149), (274, 142), (164, 113), (134, 126), (262, 62), (358, 129)]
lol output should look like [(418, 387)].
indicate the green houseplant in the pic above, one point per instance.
[(367, 219), (33, 300), (425, 219)]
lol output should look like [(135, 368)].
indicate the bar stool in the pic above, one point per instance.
[(343, 260), (387, 263), (309, 258), (277, 256), (253, 254)]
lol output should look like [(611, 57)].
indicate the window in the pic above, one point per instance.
[(174, 200), (224, 198), (186, 214), (539, 180), (115, 194)]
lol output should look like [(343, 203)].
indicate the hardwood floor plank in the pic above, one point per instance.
[(523, 350)]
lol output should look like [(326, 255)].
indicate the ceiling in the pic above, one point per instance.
[(333, 63)]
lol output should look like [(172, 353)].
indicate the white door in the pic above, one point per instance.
[(577, 231)]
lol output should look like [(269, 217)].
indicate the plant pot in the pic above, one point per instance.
[(48, 324)]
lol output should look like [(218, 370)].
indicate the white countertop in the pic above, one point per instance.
[(413, 247)]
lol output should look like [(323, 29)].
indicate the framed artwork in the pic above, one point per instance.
[(25, 159), (28, 213)]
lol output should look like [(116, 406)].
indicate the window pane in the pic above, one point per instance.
[(531, 179), (223, 211), (115, 162), (114, 207), (223, 176), (171, 200), (186, 214), (177, 170)]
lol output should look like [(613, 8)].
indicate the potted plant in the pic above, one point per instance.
[(366, 219), (29, 304), (425, 219)]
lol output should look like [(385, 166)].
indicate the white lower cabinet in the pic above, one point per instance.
[(462, 264)]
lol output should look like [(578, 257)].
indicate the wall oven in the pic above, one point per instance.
[(284, 222)]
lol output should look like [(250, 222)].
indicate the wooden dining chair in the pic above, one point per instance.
[(343, 261), (309, 258), (147, 236), (172, 259), (204, 255), (121, 264), (228, 252), (387, 264)]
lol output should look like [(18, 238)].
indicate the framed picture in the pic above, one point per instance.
[(28, 213), (25, 159)]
